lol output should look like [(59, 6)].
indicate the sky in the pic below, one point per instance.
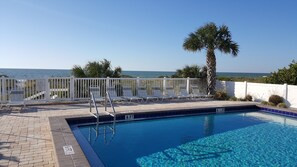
[(144, 35)]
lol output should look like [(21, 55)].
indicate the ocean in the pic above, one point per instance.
[(43, 73)]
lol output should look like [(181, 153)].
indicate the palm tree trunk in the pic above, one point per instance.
[(211, 71)]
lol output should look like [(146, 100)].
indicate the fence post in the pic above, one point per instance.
[(286, 91), (245, 89), (137, 82), (107, 82), (164, 85), (47, 89), (137, 85), (72, 88), (106, 86), (4, 93), (188, 85)]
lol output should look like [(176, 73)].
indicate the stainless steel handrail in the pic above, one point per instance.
[(96, 108), (111, 104)]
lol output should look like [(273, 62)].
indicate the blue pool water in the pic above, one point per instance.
[(239, 139)]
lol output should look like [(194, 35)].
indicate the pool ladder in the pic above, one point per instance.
[(108, 132), (96, 115)]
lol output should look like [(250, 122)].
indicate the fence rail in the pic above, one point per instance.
[(70, 88)]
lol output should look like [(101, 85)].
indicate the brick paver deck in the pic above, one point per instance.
[(25, 137)]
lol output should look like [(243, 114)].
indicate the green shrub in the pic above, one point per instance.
[(265, 102), (275, 99), (248, 98), (221, 95), (282, 105), (271, 104), (284, 75), (241, 99), (233, 98)]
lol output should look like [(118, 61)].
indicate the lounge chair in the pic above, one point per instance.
[(16, 98), (95, 91), (197, 94), (143, 94), (113, 94), (127, 94), (157, 93), (183, 93), (170, 92)]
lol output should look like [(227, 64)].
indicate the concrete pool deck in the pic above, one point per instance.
[(26, 137)]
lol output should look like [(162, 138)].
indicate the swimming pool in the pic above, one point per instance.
[(251, 138)]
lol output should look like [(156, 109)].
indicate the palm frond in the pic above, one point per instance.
[(78, 72), (235, 48), (193, 43), (117, 72)]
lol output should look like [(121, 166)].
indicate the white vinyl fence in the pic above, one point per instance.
[(259, 91), (71, 89)]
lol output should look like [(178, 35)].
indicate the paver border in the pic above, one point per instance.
[(61, 136)]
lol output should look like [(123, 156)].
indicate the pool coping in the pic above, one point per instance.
[(62, 134)]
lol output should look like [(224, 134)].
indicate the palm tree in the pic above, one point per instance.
[(97, 69), (192, 71), (211, 38)]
